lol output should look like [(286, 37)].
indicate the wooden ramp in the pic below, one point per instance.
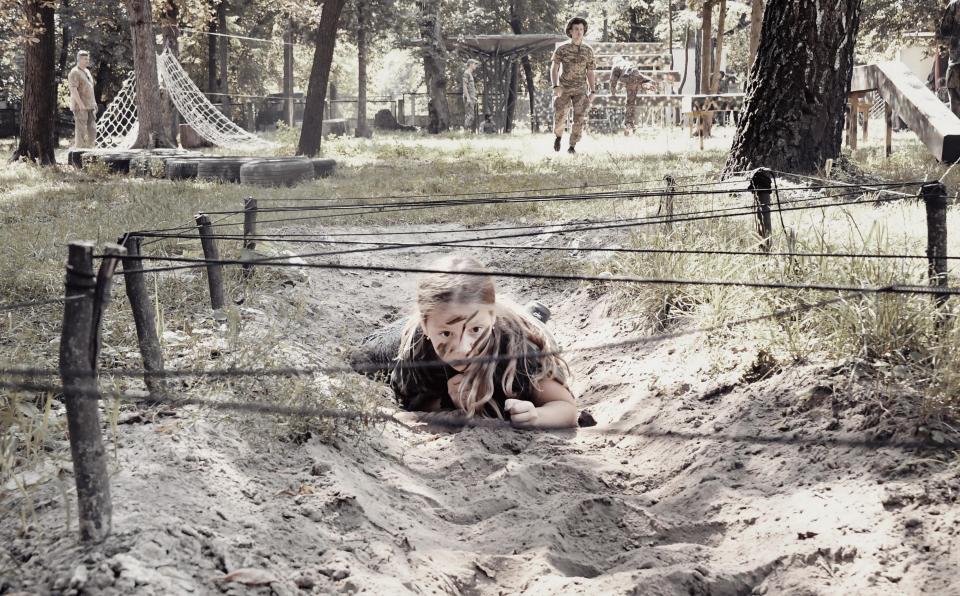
[(927, 116)]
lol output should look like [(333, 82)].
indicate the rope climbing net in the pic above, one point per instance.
[(118, 126)]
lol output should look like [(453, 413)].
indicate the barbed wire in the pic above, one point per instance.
[(371, 368)]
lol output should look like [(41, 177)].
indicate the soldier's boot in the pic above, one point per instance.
[(556, 143), (571, 150)]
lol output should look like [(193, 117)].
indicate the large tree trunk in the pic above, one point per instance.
[(797, 93), (223, 59), (361, 69), (169, 29), (434, 64), (312, 131), (38, 111), (153, 128), (288, 108), (512, 92), (756, 21)]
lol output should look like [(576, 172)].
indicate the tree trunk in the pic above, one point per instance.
[(223, 87), (39, 107), (153, 128), (721, 23), (312, 131), (516, 27), (361, 69), (288, 111), (706, 59), (212, 86), (756, 21), (169, 29), (434, 64), (793, 119), (65, 37), (670, 30), (512, 92)]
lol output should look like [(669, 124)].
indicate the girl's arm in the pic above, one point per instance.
[(552, 407)]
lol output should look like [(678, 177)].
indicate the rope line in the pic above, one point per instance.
[(374, 368)]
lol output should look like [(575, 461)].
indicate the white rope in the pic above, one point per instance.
[(209, 122), (118, 126)]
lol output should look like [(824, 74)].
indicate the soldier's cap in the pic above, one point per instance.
[(473, 61), (576, 21)]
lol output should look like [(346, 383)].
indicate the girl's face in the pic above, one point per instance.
[(455, 329)]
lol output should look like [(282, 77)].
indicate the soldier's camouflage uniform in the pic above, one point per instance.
[(469, 99), (576, 61), (632, 80), (949, 30)]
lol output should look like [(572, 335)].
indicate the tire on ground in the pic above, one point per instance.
[(75, 157), (288, 171), (118, 161), (148, 165), (323, 167), (224, 169), (182, 169)]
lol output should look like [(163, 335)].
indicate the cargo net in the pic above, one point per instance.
[(117, 127), (197, 111)]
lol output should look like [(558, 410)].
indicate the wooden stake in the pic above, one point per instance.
[(214, 270), (77, 373), (249, 229), (144, 317), (668, 200), (761, 182), (935, 199), (888, 138)]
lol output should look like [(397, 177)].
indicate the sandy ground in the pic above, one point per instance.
[(695, 481)]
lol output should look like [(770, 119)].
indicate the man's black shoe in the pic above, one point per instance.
[(556, 144), (571, 150)]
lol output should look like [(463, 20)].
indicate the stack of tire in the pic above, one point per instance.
[(116, 161), (153, 163), (256, 171)]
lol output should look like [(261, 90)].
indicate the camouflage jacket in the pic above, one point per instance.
[(576, 61), (469, 86), (631, 78)]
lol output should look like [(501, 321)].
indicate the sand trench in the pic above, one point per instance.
[(477, 511)]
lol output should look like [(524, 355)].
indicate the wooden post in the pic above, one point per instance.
[(864, 107), (668, 200), (760, 183), (288, 74), (935, 199), (214, 270), (401, 113), (249, 229), (144, 317), (888, 138), (80, 393), (852, 121)]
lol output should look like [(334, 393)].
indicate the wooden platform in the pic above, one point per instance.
[(932, 121)]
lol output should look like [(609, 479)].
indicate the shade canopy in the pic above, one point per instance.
[(505, 46)]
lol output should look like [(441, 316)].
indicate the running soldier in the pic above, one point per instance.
[(573, 86), (83, 103), (633, 82), (469, 94), (949, 32)]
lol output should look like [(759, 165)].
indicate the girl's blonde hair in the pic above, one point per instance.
[(514, 332)]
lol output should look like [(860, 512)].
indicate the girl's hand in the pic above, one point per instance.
[(523, 414), (453, 388)]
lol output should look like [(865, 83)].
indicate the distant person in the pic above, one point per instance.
[(633, 81), (489, 126), (948, 31), (574, 83), (723, 86), (463, 348), (469, 94), (83, 102)]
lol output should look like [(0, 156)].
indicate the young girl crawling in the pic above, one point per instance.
[(458, 317)]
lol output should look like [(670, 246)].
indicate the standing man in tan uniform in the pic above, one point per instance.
[(633, 80), (83, 103), (469, 94), (574, 82)]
